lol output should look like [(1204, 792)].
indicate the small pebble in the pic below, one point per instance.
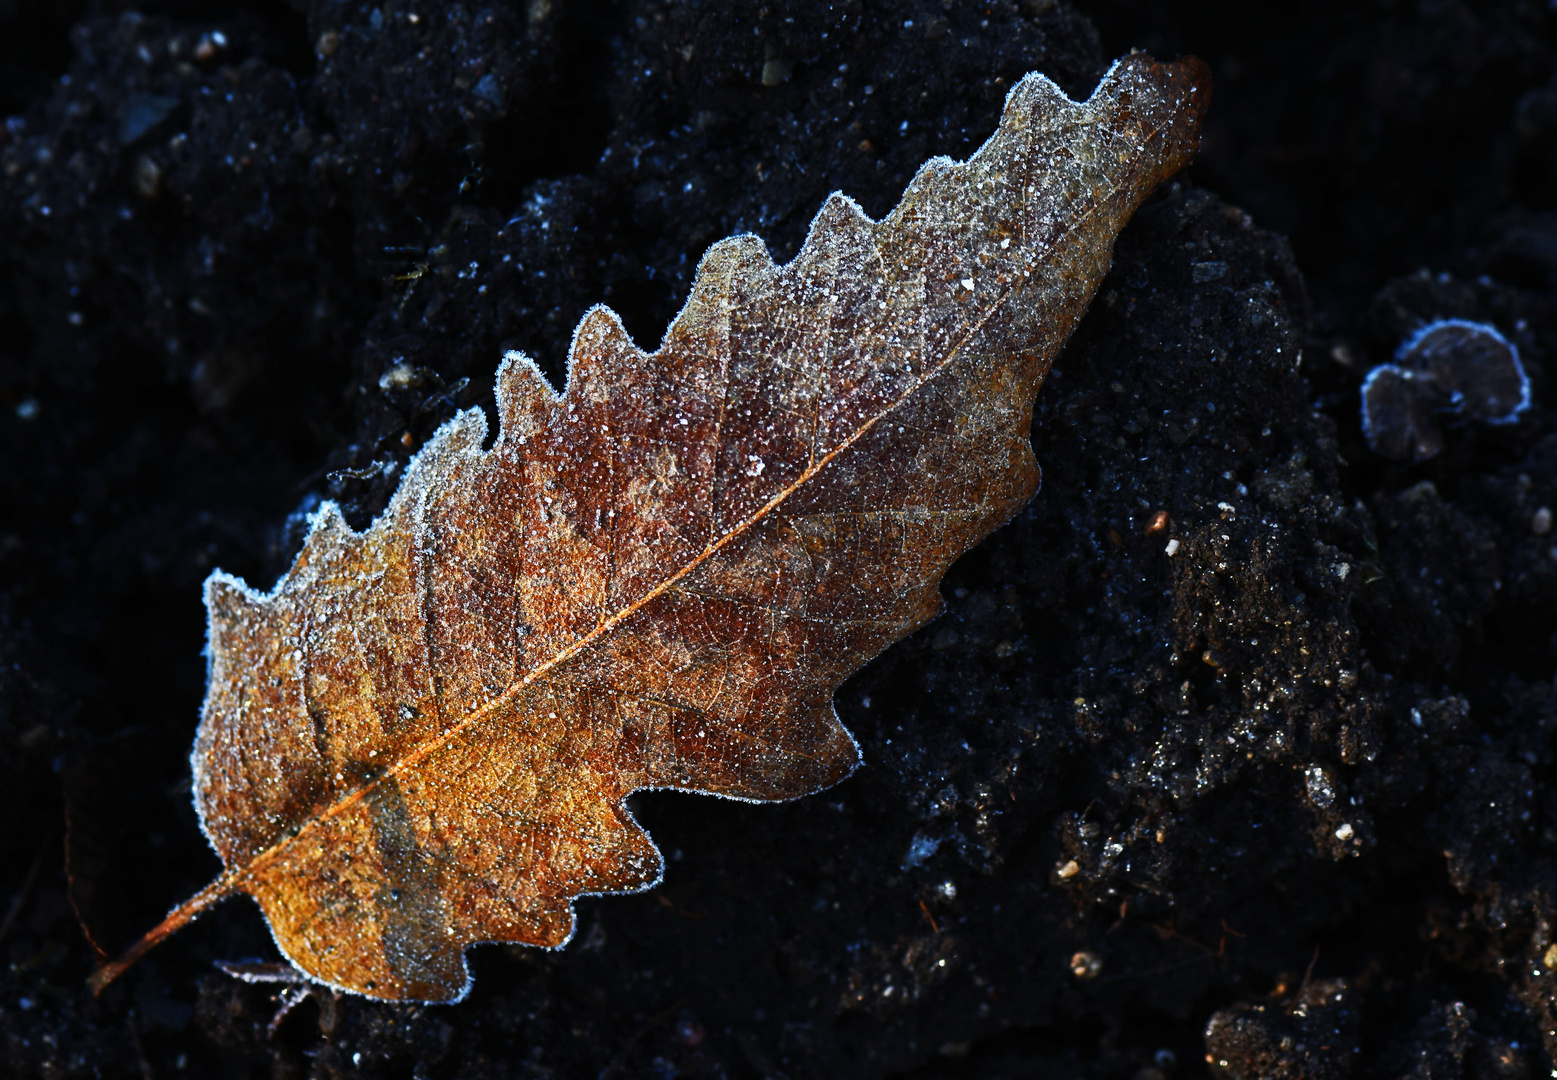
[(1086, 965)]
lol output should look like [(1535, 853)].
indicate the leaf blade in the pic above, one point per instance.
[(424, 735)]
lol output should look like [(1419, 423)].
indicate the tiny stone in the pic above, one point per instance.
[(775, 71), (1086, 965)]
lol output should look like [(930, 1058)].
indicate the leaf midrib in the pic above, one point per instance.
[(611, 622)]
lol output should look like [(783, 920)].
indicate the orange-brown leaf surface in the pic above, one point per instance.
[(424, 735)]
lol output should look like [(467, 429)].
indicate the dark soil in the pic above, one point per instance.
[(1277, 804)]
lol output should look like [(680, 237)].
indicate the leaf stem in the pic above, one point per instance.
[(185, 913)]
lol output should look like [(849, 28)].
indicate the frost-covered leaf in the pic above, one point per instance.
[(424, 735)]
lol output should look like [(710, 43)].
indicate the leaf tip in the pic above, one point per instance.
[(324, 525), (600, 344), (523, 396), (222, 590)]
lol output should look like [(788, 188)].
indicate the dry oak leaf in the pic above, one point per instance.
[(424, 735)]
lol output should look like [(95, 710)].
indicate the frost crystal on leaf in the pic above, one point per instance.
[(424, 736)]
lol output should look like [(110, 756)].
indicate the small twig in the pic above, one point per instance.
[(290, 999), (98, 952), (1170, 933), (1308, 973), (1221, 945), (261, 971), (297, 988), (1297, 998), (928, 916)]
